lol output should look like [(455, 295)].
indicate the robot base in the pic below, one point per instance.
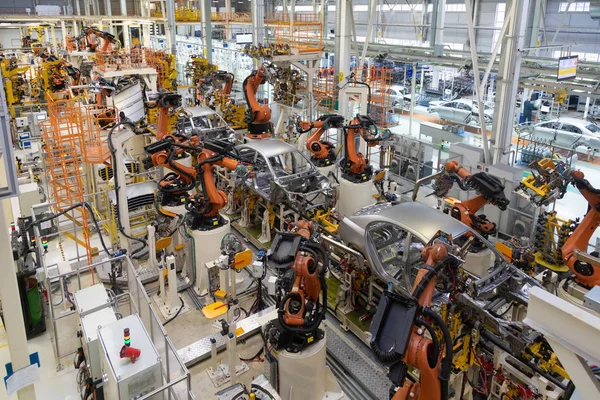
[(221, 376), (305, 375), (354, 196), (169, 312), (207, 247)]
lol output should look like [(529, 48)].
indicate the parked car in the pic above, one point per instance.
[(282, 174), (399, 95), (566, 132), (464, 111)]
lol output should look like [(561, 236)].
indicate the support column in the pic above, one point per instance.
[(53, 38), (13, 314), (343, 38), (258, 21), (438, 20), (508, 79), (207, 30), (77, 7), (227, 21), (108, 12), (537, 18), (86, 7), (63, 31), (170, 27), (126, 33)]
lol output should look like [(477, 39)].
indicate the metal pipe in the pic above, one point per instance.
[(372, 9), (473, 48), (422, 181), (359, 257)]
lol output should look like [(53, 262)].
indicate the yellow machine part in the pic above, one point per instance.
[(242, 259), (539, 259), (505, 250), (214, 310)]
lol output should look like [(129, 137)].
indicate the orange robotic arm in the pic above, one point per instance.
[(490, 190), (226, 77), (213, 196), (420, 352), (323, 151), (355, 166), (586, 273), (258, 116)]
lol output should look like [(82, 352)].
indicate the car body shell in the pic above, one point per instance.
[(208, 123), (565, 132), (282, 174)]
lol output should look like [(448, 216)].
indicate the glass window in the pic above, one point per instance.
[(593, 128), (463, 106), (571, 128)]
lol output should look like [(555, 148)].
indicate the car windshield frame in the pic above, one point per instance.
[(593, 128), (373, 258)]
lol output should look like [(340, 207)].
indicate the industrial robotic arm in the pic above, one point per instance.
[(301, 289), (355, 166), (203, 209), (89, 36), (489, 188), (574, 251), (258, 116), (398, 328), (323, 152)]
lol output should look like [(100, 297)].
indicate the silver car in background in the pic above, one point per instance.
[(464, 111), (565, 132)]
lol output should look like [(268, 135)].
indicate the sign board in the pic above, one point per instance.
[(242, 38), (567, 67)]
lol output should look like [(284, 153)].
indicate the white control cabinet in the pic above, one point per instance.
[(124, 380)]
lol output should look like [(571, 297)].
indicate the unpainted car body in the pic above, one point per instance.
[(208, 123), (282, 174)]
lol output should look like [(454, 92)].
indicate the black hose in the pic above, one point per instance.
[(254, 357), (436, 343), (82, 204), (178, 311), (431, 273), (446, 369)]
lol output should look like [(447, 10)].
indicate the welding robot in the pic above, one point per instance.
[(258, 116), (203, 221), (295, 341), (323, 152), (356, 184), (489, 191), (397, 331)]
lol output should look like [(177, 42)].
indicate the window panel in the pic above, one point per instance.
[(578, 6)]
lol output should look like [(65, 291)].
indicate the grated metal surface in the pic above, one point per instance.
[(355, 363), (200, 350), (147, 274)]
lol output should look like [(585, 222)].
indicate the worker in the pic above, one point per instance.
[(528, 110)]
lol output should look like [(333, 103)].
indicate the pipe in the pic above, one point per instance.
[(332, 242), (422, 181), (473, 48)]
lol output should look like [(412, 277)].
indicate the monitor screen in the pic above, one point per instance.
[(567, 67)]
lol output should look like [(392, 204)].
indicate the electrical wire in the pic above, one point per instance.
[(176, 314)]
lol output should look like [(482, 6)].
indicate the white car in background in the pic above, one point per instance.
[(399, 95), (464, 111), (566, 132)]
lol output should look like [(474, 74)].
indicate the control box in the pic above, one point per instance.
[(124, 379), (89, 338), (91, 299)]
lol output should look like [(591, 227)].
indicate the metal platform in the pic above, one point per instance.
[(355, 370), (200, 350)]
